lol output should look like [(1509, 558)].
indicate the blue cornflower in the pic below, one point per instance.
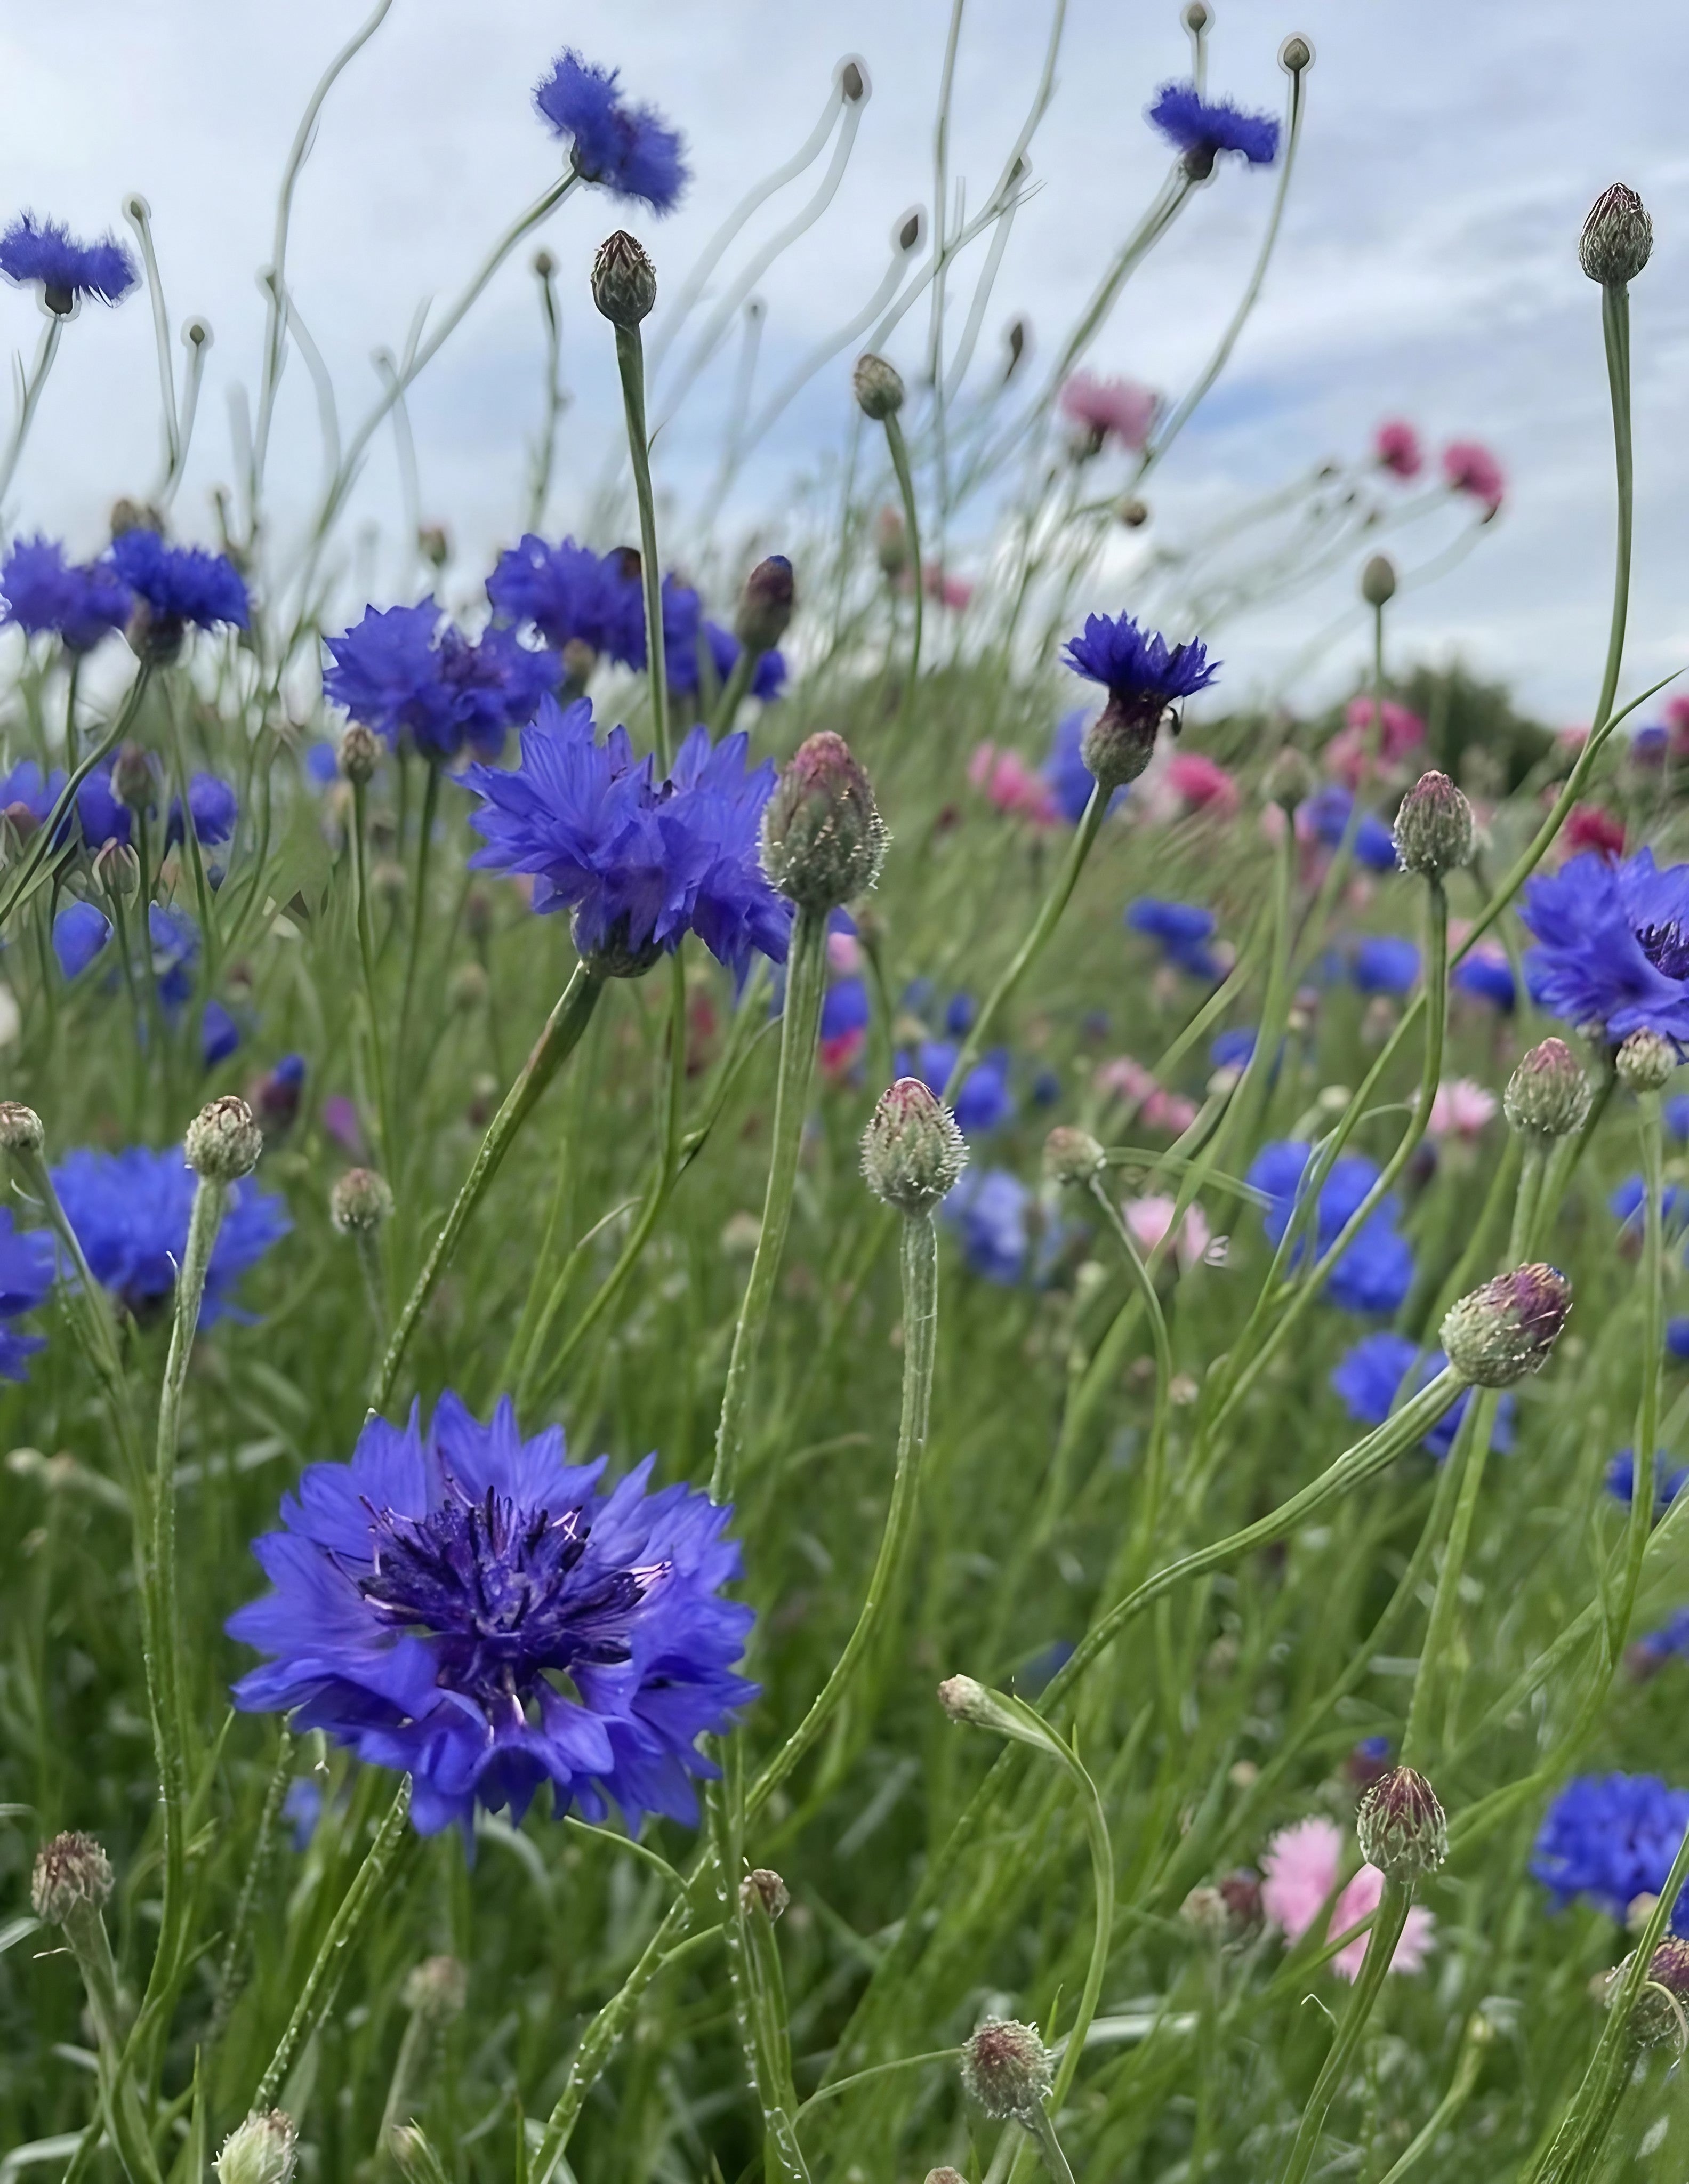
[(1383, 1370), (27, 1261), (179, 585), (100, 814), (323, 765), (1677, 1337), (130, 1212), (1202, 128), (45, 595), (1675, 1111), (767, 678), (630, 149), (1613, 1838), (175, 941), (1668, 1485), (640, 864), (44, 251), (302, 1808), (1385, 964), (470, 1608), (26, 790), (569, 595), (1658, 1646), (844, 1009), (1137, 668), (1183, 930), (213, 806), (1614, 953), (1628, 1201), (79, 931), (1232, 1049), (1325, 816), (1376, 1271), (399, 673), (219, 1035), (1487, 976), (988, 1209), (983, 1100), (1071, 781), (959, 1011)]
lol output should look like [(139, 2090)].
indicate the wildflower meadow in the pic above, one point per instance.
[(811, 1366)]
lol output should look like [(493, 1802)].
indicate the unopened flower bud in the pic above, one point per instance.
[(117, 872), (1195, 16), (1433, 832), (766, 604), (1657, 2013), (20, 819), (1645, 1061), (763, 1888), (263, 2150), (912, 1150), (945, 2177), (437, 1989), (1120, 741), (1618, 237), (1134, 513), (132, 777), (389, 880), (1242, 1893), (434, 543), (1204, 1910), (1401, 1825), (1378, 581), (624, 280), (467, 989), (71, 1873), (20, 1130), (1548, 1094), (223, 1140), (1007, 2069), (1290, 778), (823, 840), (1506, 1329), (1295, 54), (359, 1200), (878, 388), (1071, 1155), (360, 753)]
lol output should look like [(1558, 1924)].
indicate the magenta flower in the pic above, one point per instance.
[(1300, 1869), (1011, 785), (1469, 467), (1201, 785), (1110, 410), (1396, 449)]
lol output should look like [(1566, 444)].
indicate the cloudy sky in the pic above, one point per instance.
[(1428, 267)]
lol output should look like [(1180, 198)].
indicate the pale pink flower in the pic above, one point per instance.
[(1361, 1896), (844, 955), (1677, 719), (1202, 785), (1462, 1108), (1469, 467), (952, 591), (1168, 1111), (1124, 1079), (1149, 1219), (1010, 784), (1111, 408), (1299, 1870), (1396, 448), (1349, 754)]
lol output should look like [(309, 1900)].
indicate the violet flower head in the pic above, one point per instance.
[(1376, 1271), (26, 793), (1202, 128), (1137, 666), (45, 253), (1386, 963), (180, 585), (401, 674), (80, 933), (1383, 1370), (26, 1269), (1324, 819), (569, 595), (213, 806), (638, 863), (77, 603), (988, 1209), (1612, 952), (630, 149), (767, 678), (1612, 1838), (1487, 975), (433, 1596), (1183, 931), (130, 1212), (1669, 1482)]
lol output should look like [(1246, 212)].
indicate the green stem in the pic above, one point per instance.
[(1476, 2041), (733, 689), (1615, 332), (45, 836), (1155, 1468), (1388, 1921), (419, 915), (805, 979), (905, 486), (85, 1928), (1043, 2131), (630, 359), (367, 952), (556, 1042)]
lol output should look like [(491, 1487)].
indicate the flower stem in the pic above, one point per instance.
[(1389, 1920), (31, 399), (1615, 330), (555, 1043), (418, 912), (1043, 2130), (905, 485), (630, 359), (366, 952), (1154, 1467), (45, 837)]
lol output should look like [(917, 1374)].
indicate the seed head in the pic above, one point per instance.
[(1645, 1061), (766, 604), (878, 388), (224, 1140), (823, 840), (262, 2151), (1378, 581), (1618, 237), (117, 872), (1401, 1825), (70, 1872), (20, 1130), (1071, 1155), (437, 1989), (360, 753), (1549, 1095), (1433, 828), (762, 1886), (912, 1150), (1506, 1329), (360, 1201), (624, 280), (1006, 2068)]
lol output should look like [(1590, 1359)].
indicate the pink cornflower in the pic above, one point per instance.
[(1469, 467), (1148, 1219), (1677, 719), (1111, 408), (1168, 1111), (1124, 1078), (1348, 755), (839, 1055), (1009, 782), (340, 1120), (1299, 1870), (1396, 449), (1462, 1108), (1202, 785), (951, 592), (1589, 827)]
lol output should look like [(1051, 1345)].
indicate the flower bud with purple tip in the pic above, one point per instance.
[(1401, 1825), (823, 840), (1508, 1327), (1007, 2069), (1548, 1094)]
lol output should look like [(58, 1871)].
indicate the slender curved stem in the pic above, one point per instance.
[(419, 911), (631, 363), (912, 519), (1388, 1920), (366, 952), (30, 398), (1155, 1468)]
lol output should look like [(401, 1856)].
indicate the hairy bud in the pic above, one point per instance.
[(1618, 237), (1645, 1061), (117, 872), (263, 2150), (624, 280), (764, 1887), (1378, 581), (1007, 2069), (1506, 1329), (1120, 741), (20, 1128), (766, 604), (1071, 1155), (1433, 832), (945, 2177), (1290, 778), (71, 1873), (1401, 1825), (437, 1989), (878, 388), (360, 754), (1548, 1094), (1295, 54), (823, 840), (223, 1140), (1658, 2013), (359, 1200), (912, 1150)]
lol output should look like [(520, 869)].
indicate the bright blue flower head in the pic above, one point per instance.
[(471, 1608), (26, 1277), (1675, 1111), (1658, 1646), (1667, 1484), (1627, 1203), (44, 251), (214, 807), (568, 595), (219, 1035), (1487, 976), (1183, 930), (1232, 1049), (1385, 964), (1202, 128), (79, 931), (1138, 667), (1613, 945), (79, 603), (844, 1009), (1326, 818), (1383, 1370), (983, 1100), (1376, 1271), (399, 673), (640, 864), (988, 1209), (100, 814), (34, 792), (180, 584), (630, 149), (130, 1212), (1612, 1838)]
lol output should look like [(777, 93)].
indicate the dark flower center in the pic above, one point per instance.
[(501, 1588), (1667, 948)]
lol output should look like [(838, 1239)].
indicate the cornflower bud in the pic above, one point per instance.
[(1378, 581), (263, 2150), (1433, 831), (1401, 1825), (1295, 54), (1195, 15), (223, 1140), (1071, 1155), (1549, 1095), (764, 1887), (1618, 237), (945, 2177), (132, 777), (389, 880), (1007, 2069), (467, 989), (71, 1873), (1657, 2013), (437, 1989), (434, 543), (912, 1150), (878, 388), (20, 1128), (1645, 1061), (20, 819), (1506, 1327), (1204, 1910), (766, 604), (1134, 513), (823, 840), (360, 752), (359, 1200), (117, 872), (1289, 779), (624, 280)]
